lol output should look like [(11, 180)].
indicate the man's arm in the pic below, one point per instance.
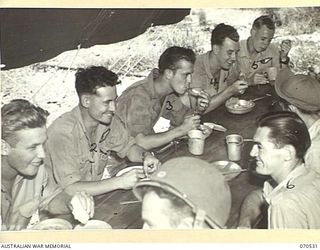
[(156, 140), (251, 209), (237, 87), (93, 188)]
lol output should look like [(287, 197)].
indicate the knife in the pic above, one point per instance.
[(219, 127)]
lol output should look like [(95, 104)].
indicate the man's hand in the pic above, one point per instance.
[(190, 122), (82, 206), (260, 79), (238, 87), (150, 163), (203, 101), (206, 130), (129, 179), (285, 47)]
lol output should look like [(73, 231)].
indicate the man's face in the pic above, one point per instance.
[(181, 77), (269, 158), (157, 213), (227, 53), (27, 155), (102, 104), (261, 38)]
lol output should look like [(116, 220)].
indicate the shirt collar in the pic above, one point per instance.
[(207, 65), (269, 192), (314, 130), (100, 129), (153, 75)]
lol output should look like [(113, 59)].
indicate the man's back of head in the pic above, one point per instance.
[(170, 58), (301, 91)]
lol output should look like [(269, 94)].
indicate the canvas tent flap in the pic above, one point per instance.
[(34, 35)]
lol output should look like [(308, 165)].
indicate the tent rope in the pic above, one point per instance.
[(55, 73)]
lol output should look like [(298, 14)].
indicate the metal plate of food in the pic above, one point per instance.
[(53, 224), (239, 106), (93, 224), (229, 169)]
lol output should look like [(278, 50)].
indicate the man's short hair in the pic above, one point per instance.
[(179, 209), (171, 56), (264, 20), (20, 114), (287, 128), (221, 32), (90, 79)]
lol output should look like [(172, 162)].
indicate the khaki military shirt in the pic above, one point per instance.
[(212, 83), (27, 196), (139, 107), (294, 203), (259, 64), (73, 157)]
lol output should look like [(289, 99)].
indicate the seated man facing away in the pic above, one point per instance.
[(25, 182), (257, 53), (142, 104), (215, 72), (80, 141), (186, 193), (281, 141), (301, 95)]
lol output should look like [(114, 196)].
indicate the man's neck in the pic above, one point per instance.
[(8, 174), (90, 124), (285, 169), (162, 87), (250, 48), (213, 64)]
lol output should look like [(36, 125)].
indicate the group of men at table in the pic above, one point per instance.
[(59, 170)]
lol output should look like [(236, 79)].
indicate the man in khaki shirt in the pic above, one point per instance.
[(216, 71), (257, 53), (142, 104), (80, 141), (292, 195), (26, 185)]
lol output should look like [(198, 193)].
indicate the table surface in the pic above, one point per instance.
[(119, 216)]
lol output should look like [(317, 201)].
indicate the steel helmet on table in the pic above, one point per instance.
[(196, 182)]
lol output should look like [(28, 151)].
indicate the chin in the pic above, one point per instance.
[(261, 171), (30, 174), (106, 121)]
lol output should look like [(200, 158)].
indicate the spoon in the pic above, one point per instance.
[(259, 98)]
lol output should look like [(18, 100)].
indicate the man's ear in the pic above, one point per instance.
[(85, 100), (5, 147), (290, 152), (168, 74), (215, 49), (252, 32)]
